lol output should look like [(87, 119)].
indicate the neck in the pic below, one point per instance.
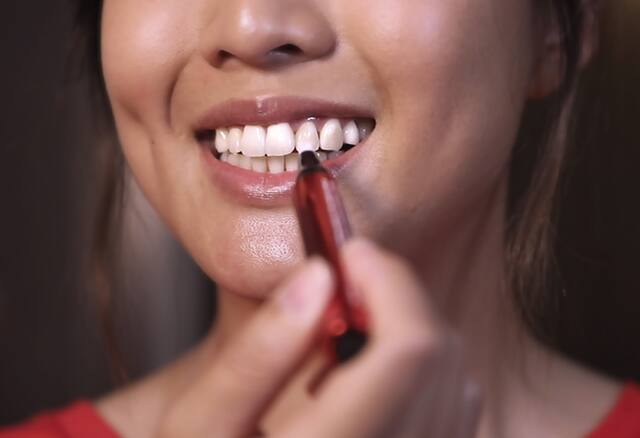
[(470, 288), (469, 284)]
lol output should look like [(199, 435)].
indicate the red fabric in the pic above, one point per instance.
[(80, 420), (623, 420)]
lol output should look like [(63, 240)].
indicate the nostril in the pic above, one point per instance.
[(223, 55), (274, 56), (287, 49)]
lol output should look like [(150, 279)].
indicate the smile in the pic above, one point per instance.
[(251, 148), (276, 148)]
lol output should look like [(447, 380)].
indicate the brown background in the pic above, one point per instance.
[(51, 348), (50, 345)]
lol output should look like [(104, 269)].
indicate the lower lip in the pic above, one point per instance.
[(265, 189)]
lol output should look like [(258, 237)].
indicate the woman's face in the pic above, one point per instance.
[(444, 81)]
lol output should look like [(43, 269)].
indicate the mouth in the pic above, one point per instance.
[(276, 148), (252, 147)]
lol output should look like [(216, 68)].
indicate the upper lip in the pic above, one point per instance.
[(270, 110)]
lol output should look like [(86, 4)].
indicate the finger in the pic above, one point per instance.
[(398, 306), (404, 333), (227, 401)]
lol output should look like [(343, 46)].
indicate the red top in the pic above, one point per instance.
[(81, 420), (623, 420)]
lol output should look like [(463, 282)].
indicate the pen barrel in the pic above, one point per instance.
[(325, 228)]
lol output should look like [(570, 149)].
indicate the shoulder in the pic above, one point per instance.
[(77, 420), (623, 420), (135, 409)]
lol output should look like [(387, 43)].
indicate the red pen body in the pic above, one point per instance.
[(325, 228)]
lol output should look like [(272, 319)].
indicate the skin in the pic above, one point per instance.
[(447, 83)]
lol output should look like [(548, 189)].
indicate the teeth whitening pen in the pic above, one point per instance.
[(325, 228)]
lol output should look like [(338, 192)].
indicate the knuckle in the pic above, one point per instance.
[(398, 263)]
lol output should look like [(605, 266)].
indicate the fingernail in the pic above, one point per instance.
[(307, 294)]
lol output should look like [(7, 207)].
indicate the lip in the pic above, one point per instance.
[(269, 110), (266, 190)]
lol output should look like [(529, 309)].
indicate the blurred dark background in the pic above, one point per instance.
[(51, 348), (51, 344)]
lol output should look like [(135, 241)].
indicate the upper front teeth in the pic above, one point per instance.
[(307, 138), (331, 136), (279, 140), (233, 140), (351, 133), (252, 143)]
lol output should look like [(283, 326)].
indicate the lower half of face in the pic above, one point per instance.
[(443, 82)]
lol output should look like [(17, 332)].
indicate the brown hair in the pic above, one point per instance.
[(86, 57), (537, 164), (535, 177)]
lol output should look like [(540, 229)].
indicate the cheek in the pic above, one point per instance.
[(144, 45), (454, 76), (249, 252), (418, 45)]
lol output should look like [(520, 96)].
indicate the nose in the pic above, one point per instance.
[(267, 33)]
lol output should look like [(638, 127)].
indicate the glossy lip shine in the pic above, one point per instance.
[(268, 189)]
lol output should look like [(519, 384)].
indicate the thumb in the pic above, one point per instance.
[(228, 400)]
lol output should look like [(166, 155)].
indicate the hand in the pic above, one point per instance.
[(409, 381)]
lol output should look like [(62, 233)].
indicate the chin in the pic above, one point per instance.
[(256, 255)]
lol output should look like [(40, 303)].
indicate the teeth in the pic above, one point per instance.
[(259, 164), (291, 162), (233, 140), (253, 141), (351, 133), (307, 137), (365, 127), (244, 162), (221, 140), (280, 140), (234, 159), (275, 164), (331, 136), (277, 148)]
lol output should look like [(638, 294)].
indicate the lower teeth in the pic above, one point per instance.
[(288, 163)]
